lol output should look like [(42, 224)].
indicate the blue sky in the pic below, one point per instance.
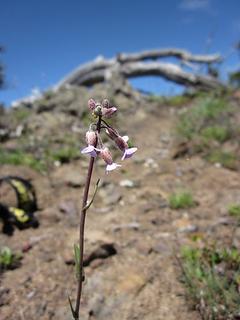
[(46, 39)]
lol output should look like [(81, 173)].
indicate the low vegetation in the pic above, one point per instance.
[(207, 126), (234, 210), (40, 157), (226, 159), (212, 278), (203, 117), (174, 101), (181, 200), (20, 157), (21, 114), (8, 259)]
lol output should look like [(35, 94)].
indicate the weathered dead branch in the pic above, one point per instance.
[(135, 65)]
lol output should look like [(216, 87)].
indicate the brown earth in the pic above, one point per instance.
[(142, 280)]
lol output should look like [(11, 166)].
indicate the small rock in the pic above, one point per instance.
[(180, 150), (31, 294), (184, 225), (57, 163), (70, 209), (96, 263), (128, 183), (74, 180), (26, 247), (46, 256), (110, 194), (160, 247), (150, 163), (104, 251), (68, 258), (49, 215), (132, 225)]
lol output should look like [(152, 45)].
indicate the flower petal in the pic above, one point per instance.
[(108, 112), (125, 138), (89, 150), (112, 166), (128, 153)]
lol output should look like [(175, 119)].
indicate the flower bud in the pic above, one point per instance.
[(98, 110), (108, 112), (91, 138), (105, 154), (91, 104), (105, 103)]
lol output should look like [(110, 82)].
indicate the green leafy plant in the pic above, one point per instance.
[(8, 259), (217, 133), (181, 200)]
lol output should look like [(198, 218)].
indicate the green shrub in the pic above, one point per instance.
[(217, 133), (207, 112), (181, 200)]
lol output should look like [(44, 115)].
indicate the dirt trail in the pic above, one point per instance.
[(140, 281)]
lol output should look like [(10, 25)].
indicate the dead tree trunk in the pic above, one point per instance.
[(136, 65)]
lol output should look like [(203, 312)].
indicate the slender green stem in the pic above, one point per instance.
[(81, 228)]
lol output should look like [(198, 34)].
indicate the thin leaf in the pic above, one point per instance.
[(88, 205)]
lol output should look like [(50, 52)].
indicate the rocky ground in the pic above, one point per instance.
[(132, 235)]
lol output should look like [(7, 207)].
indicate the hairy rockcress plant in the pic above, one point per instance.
[(95, 148)]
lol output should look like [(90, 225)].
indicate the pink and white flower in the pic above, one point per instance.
[(105, 154), (90, 150), (91, 139)]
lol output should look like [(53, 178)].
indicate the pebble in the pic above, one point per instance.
[(110, 194), (129, 183), (184, 225), (74, 180), (132, 225), (150, 163)]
